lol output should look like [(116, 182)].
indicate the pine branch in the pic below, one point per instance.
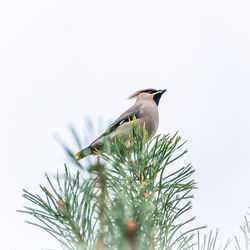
[(67, 214), (130, 199)]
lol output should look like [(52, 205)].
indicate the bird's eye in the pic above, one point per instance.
[(150, 92)]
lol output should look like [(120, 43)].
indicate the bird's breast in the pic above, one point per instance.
[(150, 116)]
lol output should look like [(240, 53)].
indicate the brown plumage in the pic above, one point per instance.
[(145, 110), (141, 91)]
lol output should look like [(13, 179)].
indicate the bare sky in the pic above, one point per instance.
[(61, 61)]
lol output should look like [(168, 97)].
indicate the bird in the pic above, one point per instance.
[(145, 110)]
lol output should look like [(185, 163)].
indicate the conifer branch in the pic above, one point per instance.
[(130, 199)]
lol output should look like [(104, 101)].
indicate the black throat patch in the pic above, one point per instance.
[(157, 98)]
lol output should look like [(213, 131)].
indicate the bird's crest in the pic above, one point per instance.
[(141, 91)]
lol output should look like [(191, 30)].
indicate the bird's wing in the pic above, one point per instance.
[(134, 111)]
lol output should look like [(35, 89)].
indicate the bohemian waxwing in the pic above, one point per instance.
[(145, 110)]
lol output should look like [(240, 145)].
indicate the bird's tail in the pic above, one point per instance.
[(83, 153)]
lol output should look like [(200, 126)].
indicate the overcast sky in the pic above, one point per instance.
[(62, 61)]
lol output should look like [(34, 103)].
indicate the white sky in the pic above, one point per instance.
[(61, 61)]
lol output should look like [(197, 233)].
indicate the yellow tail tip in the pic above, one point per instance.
[(78, 156)]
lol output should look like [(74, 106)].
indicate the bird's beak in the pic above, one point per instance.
[(162, 90)]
